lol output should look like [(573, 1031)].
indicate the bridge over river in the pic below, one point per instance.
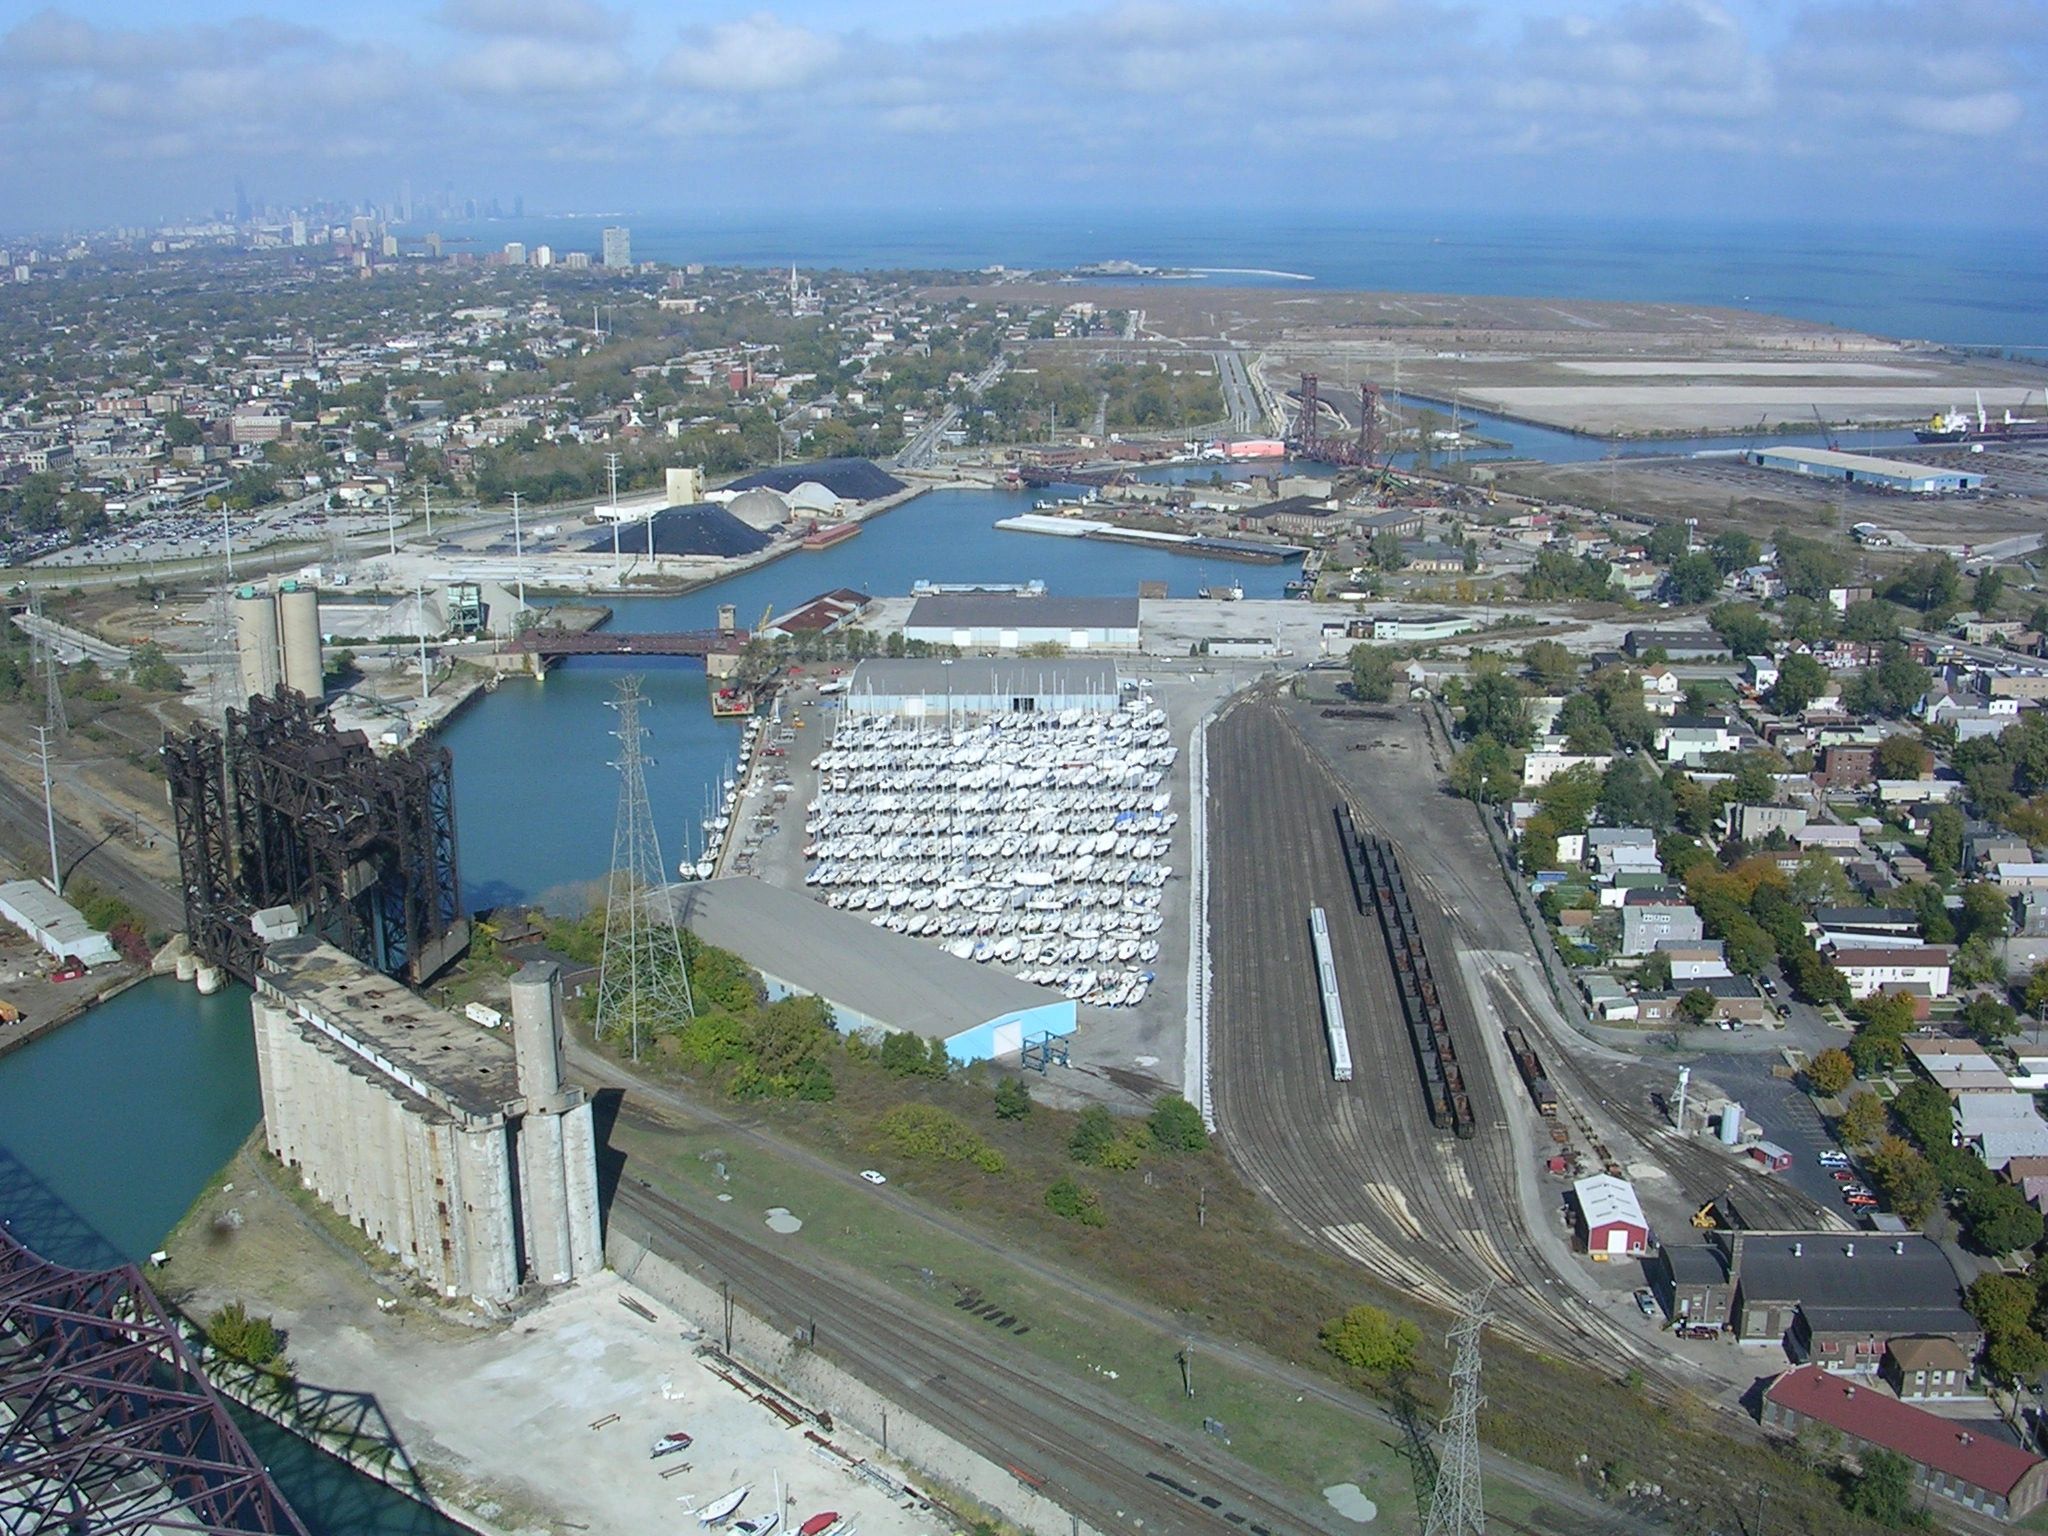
[(548, 642)]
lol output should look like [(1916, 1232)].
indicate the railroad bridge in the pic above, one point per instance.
[(109, 1423), (549, 642)]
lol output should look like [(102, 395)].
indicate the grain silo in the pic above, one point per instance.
[(256, 650), (298, 617)]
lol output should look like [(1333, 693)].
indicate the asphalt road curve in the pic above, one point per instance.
[(1092, 1457)]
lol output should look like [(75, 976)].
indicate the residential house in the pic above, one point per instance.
[(1648, 918), (1754, 823), (1847, 766), (2014, 879), (1688, 738), (1545, 763), (1694, 959), (1660, 689), (1868, 922), (1959, 1066), (1873, 969), (2000, 1126), (1761, 672)]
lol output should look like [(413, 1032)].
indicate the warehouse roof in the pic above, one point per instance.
[(1906, 1279), (1878, 1418), (846, 960), (48, 915), (971, 676), (1862, 463), (447, 1060), (1606, 1200), (1006, 610)]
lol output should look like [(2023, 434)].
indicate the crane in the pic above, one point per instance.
[(1826, 432)]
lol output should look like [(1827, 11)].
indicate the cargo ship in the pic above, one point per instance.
[(1962, 427)]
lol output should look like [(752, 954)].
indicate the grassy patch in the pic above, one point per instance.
[(1184, 1234)]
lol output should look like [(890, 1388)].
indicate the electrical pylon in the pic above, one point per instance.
[(1457, 1507), (642, 982)]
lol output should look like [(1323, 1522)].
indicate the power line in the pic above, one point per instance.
[(643, 984), (1457, 1505)]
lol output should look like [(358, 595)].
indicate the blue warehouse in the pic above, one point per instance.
[(1898, 475)]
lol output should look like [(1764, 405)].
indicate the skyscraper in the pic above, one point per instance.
[(618, 246)]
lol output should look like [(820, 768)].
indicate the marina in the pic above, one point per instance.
[(1038, 842)]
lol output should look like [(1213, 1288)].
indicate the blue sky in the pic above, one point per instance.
[(1825, 110)]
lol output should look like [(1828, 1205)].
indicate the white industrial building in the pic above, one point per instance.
[(454, 1148), (54, 923), (1900, 475), (972, 688), (1009, 621)]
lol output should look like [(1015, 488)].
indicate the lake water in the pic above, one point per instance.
[(1960, 285)]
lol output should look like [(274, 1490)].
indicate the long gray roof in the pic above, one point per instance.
[(973, 675), (1007, 610), (1911, 1291), (847, 960)]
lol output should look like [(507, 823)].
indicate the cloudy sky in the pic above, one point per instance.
[(133, 109)]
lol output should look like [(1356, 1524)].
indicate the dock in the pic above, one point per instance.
[(1206, 545)]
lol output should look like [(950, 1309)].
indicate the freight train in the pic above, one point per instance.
[(1380, 890)]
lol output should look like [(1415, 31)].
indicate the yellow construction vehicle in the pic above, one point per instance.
[(1705, 1218)]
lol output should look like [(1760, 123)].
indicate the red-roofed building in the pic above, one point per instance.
[(1977, 1470)]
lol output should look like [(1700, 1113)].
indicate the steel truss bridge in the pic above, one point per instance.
[(107, 1425), (1308, 440)]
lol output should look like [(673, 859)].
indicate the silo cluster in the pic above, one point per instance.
[(277, 638)]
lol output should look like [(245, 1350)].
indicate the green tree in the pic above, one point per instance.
[(1809, 568), (1668, 543), (1742, 628), (149, 669), (1863, 1120), (1013, 1099), (1987, 590), (1986, 911), (1881, 1489), (1550, 665), (1944, 839), (1988, 1019), (1900, 756), (1483, 771), (1495, 706), (1584, 727), (1634, 794), (2000, 1220), (1569, 798), (1928, 583), (1697, 1006), (1539, 844), (1734, 551), (906, 1054), (1904, 1177), (1372, 674), (1176, 1125), (1831, 1071), (2036, 995), (1693, 579), (1369, 1339), (1801, 680), (1093, 1132), (1873, 621)]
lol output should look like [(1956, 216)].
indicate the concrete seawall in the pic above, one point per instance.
[(818, 1381)]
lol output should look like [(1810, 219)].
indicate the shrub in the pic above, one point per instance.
[(1372, 1340), (1075, 1202), (1177, 1125), (1093, 1131), (251, 1340), (927, 1133), (1013, 1099)]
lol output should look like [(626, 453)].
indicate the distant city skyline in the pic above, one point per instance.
[(1813, 110)]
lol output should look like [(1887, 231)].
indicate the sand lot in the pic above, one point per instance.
[(1636, 408)]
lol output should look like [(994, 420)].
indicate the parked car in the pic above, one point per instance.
[(1833, 1159), (1646, 1302), (873, 1176), (1843, 1176)]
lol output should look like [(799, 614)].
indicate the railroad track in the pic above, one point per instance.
[(1090, 1455)]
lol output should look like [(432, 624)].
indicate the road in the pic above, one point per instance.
[(1241, 401), (922, 449)]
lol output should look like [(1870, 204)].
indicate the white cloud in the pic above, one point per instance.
[(751, 56), (511, 67), (530, 18)]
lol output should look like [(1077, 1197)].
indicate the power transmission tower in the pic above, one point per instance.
[(642, 983), (1456, 1505)]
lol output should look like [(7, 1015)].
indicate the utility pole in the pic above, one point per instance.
[(391, 524), (518, 553), (1457, 1505), (227, 538), (420, 599), (427, 497), (49, 809), (611, 470)]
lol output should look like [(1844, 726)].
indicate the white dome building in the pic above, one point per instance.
[(810, 499), (759, 508)]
